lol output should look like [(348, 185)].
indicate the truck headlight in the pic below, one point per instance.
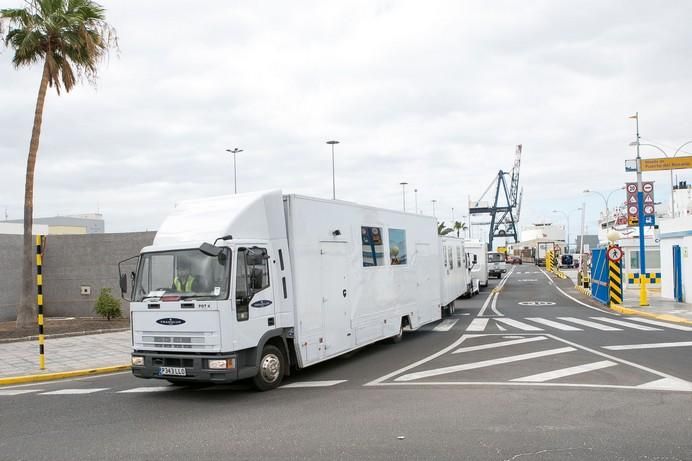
[(222, 364), (137, 361)]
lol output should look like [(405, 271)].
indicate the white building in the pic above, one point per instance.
[(676, 233)]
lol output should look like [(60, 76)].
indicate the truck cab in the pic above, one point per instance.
[(497, 264)]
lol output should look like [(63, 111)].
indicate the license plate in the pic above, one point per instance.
[(172, 371)]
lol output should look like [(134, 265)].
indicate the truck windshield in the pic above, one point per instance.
[(188, 274), (496, 257)]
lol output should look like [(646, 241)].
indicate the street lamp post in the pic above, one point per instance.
[(605, 200), (234, 151), (643, 301), (433, 204), (403, 193), (333, 182), (672, 184), (415, 195)]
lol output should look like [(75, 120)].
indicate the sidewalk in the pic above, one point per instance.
[(65, 357)]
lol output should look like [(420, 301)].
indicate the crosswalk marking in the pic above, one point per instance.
[(18, 391), (590, 324), (313, 384), (445, 325), (554, 324), (500, 344), (625, 347), (482, 364), (477, 324), (148, 389), (518, 324), (74, 391), (622, 323), (555, 374), (661, 324)]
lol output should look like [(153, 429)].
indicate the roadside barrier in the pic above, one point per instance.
[(39, 300), (615, 283)]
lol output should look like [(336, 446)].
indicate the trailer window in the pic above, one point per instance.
[(444, 255), (373, 248), (397, 246), (450, 256), (458, 256)]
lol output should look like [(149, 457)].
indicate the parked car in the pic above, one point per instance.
[(514, 260)]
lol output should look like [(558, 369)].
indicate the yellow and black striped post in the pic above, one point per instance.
[(39, 300), (615, 279), (549, 260)]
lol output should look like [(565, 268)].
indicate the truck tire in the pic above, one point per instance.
[(271, 367)]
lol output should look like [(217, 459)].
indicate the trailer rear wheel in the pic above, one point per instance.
[(271, 368)]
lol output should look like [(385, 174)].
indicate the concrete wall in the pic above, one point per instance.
[(70, 262)]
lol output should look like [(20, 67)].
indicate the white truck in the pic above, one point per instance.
[(478, 260), (252, 285), (455, 280)]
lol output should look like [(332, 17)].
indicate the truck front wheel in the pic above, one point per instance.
[(271, 368)]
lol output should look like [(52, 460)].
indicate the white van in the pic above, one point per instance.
[(478, 261), (497, 264)]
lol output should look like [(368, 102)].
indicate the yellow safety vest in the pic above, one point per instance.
[(188, 283)]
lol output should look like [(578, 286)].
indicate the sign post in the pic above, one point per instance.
[(643, 301), (615, 275)]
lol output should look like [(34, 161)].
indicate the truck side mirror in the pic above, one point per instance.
[(123, 284)]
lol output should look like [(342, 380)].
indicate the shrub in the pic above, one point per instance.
[(108, 306)]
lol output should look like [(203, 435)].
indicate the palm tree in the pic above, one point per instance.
[(442, 229), (459, 226), (69, 37)]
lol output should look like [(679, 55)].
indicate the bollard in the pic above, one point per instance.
[(39, 300), (615, 282)]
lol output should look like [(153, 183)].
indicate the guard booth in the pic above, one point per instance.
[(599, 275)]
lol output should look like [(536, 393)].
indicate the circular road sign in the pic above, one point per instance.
[(649, 209), (648, 187), (633, 210), (632, 188), (615, 254)]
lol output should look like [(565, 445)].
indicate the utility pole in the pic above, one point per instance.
[(433, 203), (403, 193), (333, 182), (415, 194), (234, 151), (583, 220), (643, 301)]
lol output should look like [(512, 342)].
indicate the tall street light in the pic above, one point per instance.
[(567, 218), (643, 301), (433, 203), (333, 182), (605, 199), (415, 195), (234, 151), (672, 184), (403, 193)]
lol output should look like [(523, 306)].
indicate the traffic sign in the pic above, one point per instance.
[(647, 187), (650, 220), (631, 188), (614, 254), (666, 163)]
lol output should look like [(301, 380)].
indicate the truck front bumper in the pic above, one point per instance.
[(195, 365)]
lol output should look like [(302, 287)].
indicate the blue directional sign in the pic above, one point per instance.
[(650, 220)]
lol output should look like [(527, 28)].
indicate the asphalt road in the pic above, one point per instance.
[(520, 372)]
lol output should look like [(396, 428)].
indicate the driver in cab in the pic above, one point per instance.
[(184, 281)]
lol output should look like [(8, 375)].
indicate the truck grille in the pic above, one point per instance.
[(187, 340)]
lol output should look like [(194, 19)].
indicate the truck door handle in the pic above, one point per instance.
[(344, 292), (270, 321)]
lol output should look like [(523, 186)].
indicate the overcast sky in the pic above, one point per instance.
[(434, 93)]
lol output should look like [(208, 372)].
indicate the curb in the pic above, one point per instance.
[(63, 335), (665, 317), (61, 375)]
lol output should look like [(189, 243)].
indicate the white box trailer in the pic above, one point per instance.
[(478, 255), (456, 277), (250, 285)]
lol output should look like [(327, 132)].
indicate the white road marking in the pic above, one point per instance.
[(668, 384), (518, 324), (571, 297), (18, 391), (500, 344), (313, 384), (550, 375), (75, 391), (493, 305), (554, 324), (626, 347), (477, 324), (483, 364), (501, 328), (148, 389), (590, 324), (661, 324), (445, 325), (486, 303), (622, 323)]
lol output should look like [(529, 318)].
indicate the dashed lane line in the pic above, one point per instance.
[(138, 390), (10, 392), (564, 372), (445, 325), (313, 384), (622, 323), (478, 324), (590, 324), (74, 391), (554, 324)]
